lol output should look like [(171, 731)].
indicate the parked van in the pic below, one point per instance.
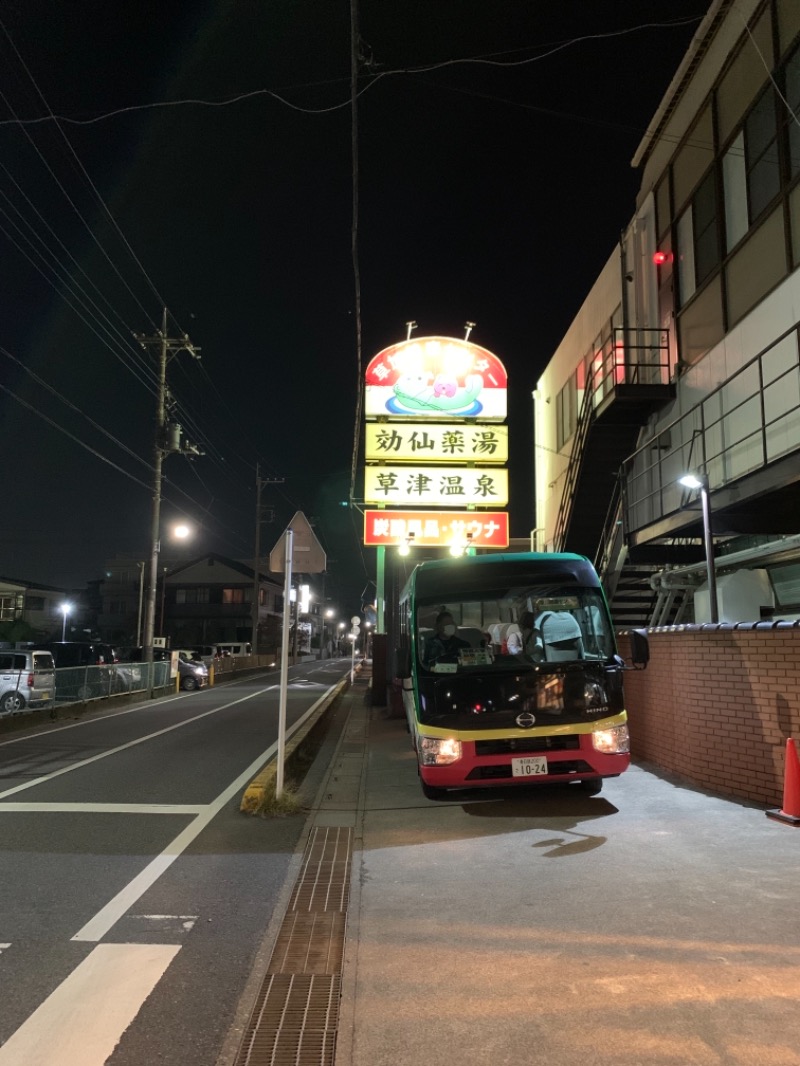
[(80, 653), (27, 679), (207, 652), (235, 648)]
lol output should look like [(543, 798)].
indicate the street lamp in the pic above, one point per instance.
[(179, 531), (325, 614), (65, 609), (700, 481)]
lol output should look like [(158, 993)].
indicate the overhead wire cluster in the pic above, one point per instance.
[(26, 227)]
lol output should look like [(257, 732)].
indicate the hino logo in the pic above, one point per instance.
[(525, 721)]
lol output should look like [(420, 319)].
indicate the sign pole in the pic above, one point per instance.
[(287, 589)]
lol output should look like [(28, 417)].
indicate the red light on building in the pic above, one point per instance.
[(662, 257)]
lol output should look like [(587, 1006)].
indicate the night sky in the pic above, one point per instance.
[(492, 187)]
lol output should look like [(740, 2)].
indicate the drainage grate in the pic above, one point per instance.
[(309, 943), (294, 1022), (324, 881), (296, 1015)]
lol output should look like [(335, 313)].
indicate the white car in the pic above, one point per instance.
[(27, 679)]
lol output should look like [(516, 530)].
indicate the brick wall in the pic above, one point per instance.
[(716, 705)]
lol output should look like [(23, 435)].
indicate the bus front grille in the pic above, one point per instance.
[(528, 744)]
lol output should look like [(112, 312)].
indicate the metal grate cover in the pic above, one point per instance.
[(294, 1022), (309, 944), (296, 1016)]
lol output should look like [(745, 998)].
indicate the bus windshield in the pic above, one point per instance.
[(510, 627)]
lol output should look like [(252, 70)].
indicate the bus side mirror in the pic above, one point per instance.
[(402, 660), (640, 648)]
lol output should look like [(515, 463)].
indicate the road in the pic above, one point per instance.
[(134, 896)]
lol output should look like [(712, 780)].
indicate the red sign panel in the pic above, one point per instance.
[(482, 529)]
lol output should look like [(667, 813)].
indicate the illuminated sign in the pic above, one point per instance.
[(436, 442), (483, 529), (437, 486), (436, 378)]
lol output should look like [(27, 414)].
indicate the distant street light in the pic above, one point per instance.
[(325, 614), (700, 481), (65, 609)]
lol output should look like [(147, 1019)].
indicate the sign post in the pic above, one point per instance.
[(285, 556)]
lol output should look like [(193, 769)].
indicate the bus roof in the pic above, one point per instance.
[(443, 577)]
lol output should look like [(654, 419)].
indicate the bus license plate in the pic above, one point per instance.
[(529, 766)]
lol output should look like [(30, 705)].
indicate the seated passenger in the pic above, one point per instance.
[(444, 645)]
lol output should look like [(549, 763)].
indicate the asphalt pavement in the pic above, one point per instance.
[(653, 924)]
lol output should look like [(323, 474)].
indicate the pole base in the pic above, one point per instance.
[(782, 816)]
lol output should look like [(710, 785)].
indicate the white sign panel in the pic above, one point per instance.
[(438, 486)]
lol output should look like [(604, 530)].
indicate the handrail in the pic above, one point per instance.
[(725, 452)]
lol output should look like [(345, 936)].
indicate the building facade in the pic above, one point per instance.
[(684, 356)]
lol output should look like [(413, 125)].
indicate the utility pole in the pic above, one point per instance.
[(167, 440), (260, 482)]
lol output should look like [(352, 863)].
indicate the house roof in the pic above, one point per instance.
[(212, 558)]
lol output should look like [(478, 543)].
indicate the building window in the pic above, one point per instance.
[(734, 180), (566, 410), (698, 238), (706, 244), (10, 607), (793, 98), (118, 607), (237, 595), (761, 155), (34, 603), (192, 595)]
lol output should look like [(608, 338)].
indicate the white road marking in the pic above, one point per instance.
[(81, 1022), (102, 808), (3, 947), (168, 921), (131, 744), (97, 927)]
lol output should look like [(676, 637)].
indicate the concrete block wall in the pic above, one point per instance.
[(716, 705)]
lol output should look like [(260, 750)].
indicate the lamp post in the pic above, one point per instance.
[(700, 482), (325, 614), (65, 610)]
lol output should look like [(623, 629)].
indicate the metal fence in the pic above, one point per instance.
[(94, 682)]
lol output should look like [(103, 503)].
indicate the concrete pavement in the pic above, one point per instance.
[(653, 924)]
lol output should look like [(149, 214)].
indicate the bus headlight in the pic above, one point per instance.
[(439, 751), (614, 741)]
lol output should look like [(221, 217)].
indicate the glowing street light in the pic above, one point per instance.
[(700, 482), (65, 609)]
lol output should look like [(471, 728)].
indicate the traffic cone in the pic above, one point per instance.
[(790, 811)]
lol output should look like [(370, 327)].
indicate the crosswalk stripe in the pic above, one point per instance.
[(82, 1021)]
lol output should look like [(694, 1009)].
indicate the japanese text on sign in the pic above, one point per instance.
[(440, 486), (485, 529), (436, 443)]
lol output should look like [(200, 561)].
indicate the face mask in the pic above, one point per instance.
[(449, 631)]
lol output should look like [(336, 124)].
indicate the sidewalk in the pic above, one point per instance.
[(650, 925)]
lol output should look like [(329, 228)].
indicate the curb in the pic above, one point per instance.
[(264, 781)]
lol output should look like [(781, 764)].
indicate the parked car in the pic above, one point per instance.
[(193, 671), (85, 669), (80, 653), (27, 679)]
